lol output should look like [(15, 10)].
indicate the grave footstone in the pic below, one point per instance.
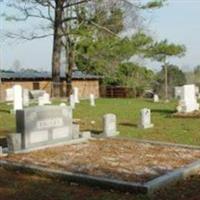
[(44, 125), (92, 100), (9, 94), (110, 125), (1, 151), (86, 134), (18, 101), (44, 100), (25, 97), (75, 93), (63, 104), (145, 119), (72, 101), (177, 92), (155, 98), (75, 131)]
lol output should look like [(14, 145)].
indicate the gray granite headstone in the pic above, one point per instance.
[(44, 125), (14, 142)]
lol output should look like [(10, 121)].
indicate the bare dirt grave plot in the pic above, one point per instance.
[(125, 160)]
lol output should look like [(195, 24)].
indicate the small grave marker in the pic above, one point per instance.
[(145, 119), (44, 100), (72, 101), (75, 93), (92, 100), (110, 125), (155, 98)]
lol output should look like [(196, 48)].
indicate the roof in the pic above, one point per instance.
[(34, 75)]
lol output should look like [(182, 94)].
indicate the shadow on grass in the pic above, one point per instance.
[(93, 131), (166, 112), (128, 124), (4, 111)]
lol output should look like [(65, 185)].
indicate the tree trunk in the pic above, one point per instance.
[(71, 63), (166, 83), (57, 46)]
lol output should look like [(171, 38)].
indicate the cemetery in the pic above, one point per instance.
[(49, 139), (99, 101)]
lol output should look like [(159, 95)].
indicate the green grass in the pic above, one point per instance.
[(167, 128)]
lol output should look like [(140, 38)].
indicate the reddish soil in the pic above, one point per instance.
[(118, 159)]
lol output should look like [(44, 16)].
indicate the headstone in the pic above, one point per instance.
[(18, 101), (155, 98), (72, 101), (110, 125), (188, 99), (86, 134), (9, 94), (197, 91), (177, 92), (92, 100), (35, 94), (145, 119), (44, 125), (25, 97), (1, 150), (75, 131), (179, 106), (63, 104), (14, 142), (75, 93), (44, 100)]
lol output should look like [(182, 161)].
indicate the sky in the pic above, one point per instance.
[(178, 21)]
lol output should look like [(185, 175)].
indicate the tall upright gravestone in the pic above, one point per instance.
[(18, 99), (44, 125), (76, 96), (188, 100)]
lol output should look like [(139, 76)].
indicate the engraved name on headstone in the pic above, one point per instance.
[(44, 125)]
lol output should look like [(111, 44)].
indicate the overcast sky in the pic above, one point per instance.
[(178, 22)]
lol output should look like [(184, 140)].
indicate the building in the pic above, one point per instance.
[(32, 80)]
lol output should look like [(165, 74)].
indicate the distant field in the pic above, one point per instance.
[(166, 128)]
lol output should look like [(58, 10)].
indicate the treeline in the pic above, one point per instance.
[(141, 79)]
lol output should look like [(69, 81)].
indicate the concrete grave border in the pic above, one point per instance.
[(149, 187)]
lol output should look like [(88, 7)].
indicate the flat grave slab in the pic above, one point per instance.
[(128, 161)]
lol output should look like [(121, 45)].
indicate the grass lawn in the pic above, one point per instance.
[(14, 185), (167, 128)]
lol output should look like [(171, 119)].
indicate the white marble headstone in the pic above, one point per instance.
[(75, 93), (110, 125), (72, 101), (155, 98), (188, 99), (145, 119), (25, 97), (9, 94), (92, 100), (18, 101), (44, 100)]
